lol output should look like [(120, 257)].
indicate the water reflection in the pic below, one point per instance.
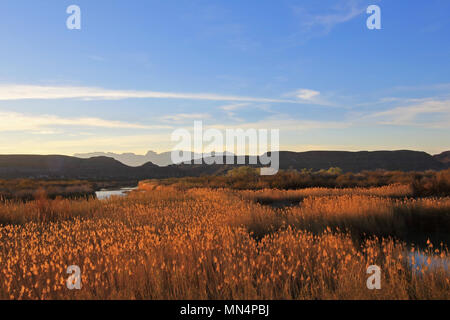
[(106, 194), (418, 261)]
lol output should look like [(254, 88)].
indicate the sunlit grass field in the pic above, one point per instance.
[(163, 242)]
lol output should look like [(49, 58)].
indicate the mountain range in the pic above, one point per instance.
[(103, 167), (135, 160)]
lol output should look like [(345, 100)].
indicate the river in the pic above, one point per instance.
[(106, 194)]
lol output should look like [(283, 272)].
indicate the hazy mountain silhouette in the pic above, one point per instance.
[(65, 167), (136, 160), (132, 159)]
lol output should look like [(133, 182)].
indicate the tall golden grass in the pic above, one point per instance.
[(166, 243), (267, 196), (428, 183)]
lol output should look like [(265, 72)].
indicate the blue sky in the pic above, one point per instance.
[(139, 69)]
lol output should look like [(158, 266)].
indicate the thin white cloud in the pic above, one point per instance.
[(24, 92), (430, 113), (185, 117), (46, 132), (235, 106), (309, 96), (392, 100), (323, 23), (40, 124), (284, 123), (306, 94), (230, 110)]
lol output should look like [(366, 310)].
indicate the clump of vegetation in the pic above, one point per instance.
[(28, 189), (432, 185)]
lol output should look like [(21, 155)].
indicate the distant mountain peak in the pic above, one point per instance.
[(132, 159), (163, 159)]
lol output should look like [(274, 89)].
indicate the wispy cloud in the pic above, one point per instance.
[(231, 110), (235, 106), (40, 124), (24, 92), (429, 113), (309, 96), (285, 123), (306, 94), (408, 95), (321, 23), (185, 117)]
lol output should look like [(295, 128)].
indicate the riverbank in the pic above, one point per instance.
[(30, 189)]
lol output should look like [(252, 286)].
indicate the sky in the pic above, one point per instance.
[(138, 70)]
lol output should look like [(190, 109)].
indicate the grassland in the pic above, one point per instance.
[(168, 242), (422, 184)]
